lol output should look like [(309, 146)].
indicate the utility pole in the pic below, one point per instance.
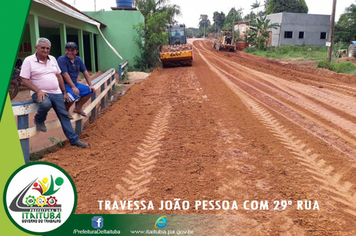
[(233, 27), (331, 31), (94, 5), (204, 27)]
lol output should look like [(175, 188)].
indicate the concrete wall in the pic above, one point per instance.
[(120, 33), (311, 25)]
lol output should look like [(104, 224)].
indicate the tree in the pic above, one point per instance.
[(219, 19), (230, 18), (256, 5), (259, 31), (204, 22), (250, 16), (266, 5), (295, 6), (150, 7), (345, 29), (152, 33)]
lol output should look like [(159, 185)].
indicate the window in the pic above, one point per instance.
[(323, 35), (301, 34), (288, 34)]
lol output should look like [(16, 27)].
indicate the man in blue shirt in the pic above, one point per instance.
[(70, 65)]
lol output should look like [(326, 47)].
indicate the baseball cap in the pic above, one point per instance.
[(72, 45)]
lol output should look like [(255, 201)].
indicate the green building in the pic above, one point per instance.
[(120, 33), (60, 23)]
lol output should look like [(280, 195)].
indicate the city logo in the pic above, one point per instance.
[(39, 197), (97, 222), (161, 222)]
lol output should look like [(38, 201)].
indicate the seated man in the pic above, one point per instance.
[(41, 74), (70, 65)]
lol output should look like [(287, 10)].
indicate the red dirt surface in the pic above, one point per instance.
[(232, 127)]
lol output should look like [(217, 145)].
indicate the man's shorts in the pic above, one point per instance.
[(83, 91)]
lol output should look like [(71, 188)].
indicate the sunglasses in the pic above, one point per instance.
[(74, 67), (43, 48)]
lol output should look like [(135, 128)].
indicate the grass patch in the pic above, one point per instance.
[(313, 53), (341, 67), (291, 51)]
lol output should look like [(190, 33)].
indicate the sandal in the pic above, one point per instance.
[(70, 116), (82, 113)]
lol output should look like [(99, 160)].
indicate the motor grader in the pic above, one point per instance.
[(225, 42), (178, 52)]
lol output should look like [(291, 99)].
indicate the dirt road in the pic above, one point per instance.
[(232, 127)]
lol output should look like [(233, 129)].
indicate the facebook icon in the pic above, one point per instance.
[(97, 222)]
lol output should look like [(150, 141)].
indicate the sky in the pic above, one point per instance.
[(192, 9)]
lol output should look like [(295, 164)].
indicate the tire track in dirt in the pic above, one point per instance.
[(287, 89), (345, 103), (138, 176), (321, 78), (342, 88), (309, 158), (232, 148), (333, 141)]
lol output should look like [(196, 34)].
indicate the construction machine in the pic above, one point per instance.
[(351, 52), (178, 52), (225, 42)]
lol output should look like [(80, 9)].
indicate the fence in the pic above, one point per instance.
[(122, 69), (22, 109)]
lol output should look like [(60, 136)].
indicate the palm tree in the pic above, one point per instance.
[(256, 5), (204, 22), (260, 28)]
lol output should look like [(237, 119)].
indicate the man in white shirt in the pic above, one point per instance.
[(41, 74)]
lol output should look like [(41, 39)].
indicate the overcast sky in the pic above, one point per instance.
[(192, 9)]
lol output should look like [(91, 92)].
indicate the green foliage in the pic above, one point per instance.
[(259, 31), (342, 67), (256, 5), (204, 21), (151, 7), (35, 156), (345, 67), (250, 16), (230, 18), (251, 50), (150, 36), (125, 75), (191, 32), (345, 29), (219, 19), (55, 141), (291, 51), (314, 53), (295, 6), (326, 65)]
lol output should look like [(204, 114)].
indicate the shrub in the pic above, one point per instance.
[(344, 67), (326, 65), (250, 49)]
